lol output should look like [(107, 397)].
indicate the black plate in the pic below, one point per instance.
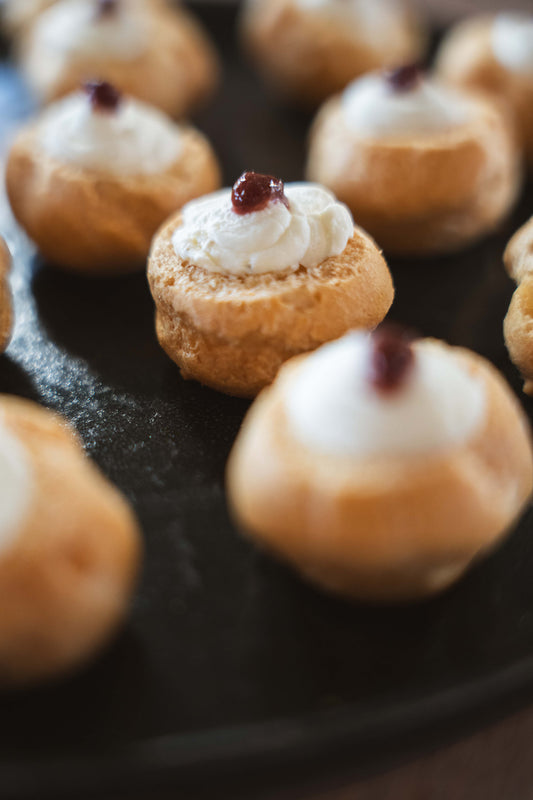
[(229, 661)]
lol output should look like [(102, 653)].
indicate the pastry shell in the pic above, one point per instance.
[(381, 529), (466, 59), (308, 57), (420, 195), (67, 578), (518, 324), (233, 332), (6, 303), (96, 222)]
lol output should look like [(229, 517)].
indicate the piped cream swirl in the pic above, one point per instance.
[(512, 41), (372, 108), (135, 139), (332, 406), (274, 239)]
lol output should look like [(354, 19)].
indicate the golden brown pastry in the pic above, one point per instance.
[(158, 54), (518, 324), (495, 54), (6, 311), (93, 179), (244, 279), (382, 469), (69, 548), (423, 167), (309, 49)]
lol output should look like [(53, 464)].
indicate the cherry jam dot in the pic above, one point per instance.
[(253, 191), (404, 79), (106, 8), (103, 96), (392, 358)]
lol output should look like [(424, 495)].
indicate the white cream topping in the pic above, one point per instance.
[(135, 139), (372, 108), (333, 407), (512, 41), (73, 27), (15, 487), (274, 239), (369, 18)]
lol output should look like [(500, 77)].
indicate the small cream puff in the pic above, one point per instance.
[(245, 278), (6, 308), (495, 54), (381, 469), (158, 54), (96, 175), (69, 548), (424, 168), (518, 324), (309, 49)]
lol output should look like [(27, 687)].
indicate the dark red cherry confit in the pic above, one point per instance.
[(392, 358), (253, 191), (404, 79), (103, 96), (106, 8)]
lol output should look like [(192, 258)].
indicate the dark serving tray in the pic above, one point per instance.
[(229, 665)]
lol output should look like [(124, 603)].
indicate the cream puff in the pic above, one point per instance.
[(381, 468), (69, 548), (518, 324), (495, 54), (95, 176), (424, 168), (247, 277), (152, 52), (309, 49), (6, 312)]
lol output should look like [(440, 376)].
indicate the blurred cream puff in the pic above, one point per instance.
[(381, 468), (158, 54), (94, 177), (425, 168), (69, 548), (518, 324), (494, 54), (309, 49)]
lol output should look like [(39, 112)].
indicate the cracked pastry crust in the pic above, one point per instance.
[(232, 333), (382, 529), (67, 578), (306, 57), (466, 59), (422, 195), (6, 306), (92, 221), (518, 323), (176, 73)]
